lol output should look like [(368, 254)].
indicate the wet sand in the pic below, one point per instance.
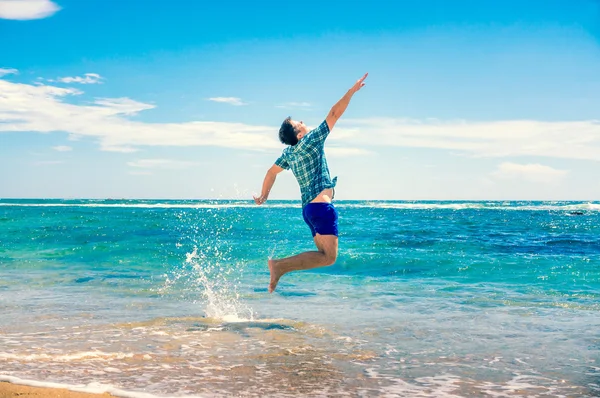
[(8, 390)]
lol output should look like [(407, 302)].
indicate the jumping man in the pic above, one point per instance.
[(305, 156)]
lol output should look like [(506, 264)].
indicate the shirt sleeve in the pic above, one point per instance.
[(282, 162), (318, 135)]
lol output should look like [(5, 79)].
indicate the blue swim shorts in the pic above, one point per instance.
[(322, 218)]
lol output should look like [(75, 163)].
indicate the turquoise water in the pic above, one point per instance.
[(427, 299)]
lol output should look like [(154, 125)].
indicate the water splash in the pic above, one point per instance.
[(209, 274), (272, 252), (218, 289)]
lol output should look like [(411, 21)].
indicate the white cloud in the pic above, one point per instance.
[(569, 140), (7, 71), (529, 172), (62, 148), (228, 100), (119, 148), (45, 108), (88, 78), (161, 164), (292, 105), (27, 9), (122, 106)]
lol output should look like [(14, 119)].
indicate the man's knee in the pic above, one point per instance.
[(328, 247), (330, 257)]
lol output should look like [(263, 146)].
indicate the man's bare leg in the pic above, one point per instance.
[(327, 246)]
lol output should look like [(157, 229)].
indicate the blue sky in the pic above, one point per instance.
[(150, 99)]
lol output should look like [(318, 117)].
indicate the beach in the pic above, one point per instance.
[(8, 390), (156, 298)]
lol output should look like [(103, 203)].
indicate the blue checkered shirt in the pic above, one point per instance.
[(307, 161)]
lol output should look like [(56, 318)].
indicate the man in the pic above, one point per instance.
[(305, 156)]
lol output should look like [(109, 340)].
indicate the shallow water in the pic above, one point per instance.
[(427, 299)]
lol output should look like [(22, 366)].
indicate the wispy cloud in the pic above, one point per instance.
[(529, 172), (27, 9), (569, 140), (122, 106), (228, 100), (7, 71), (62, 148), (294, 105), (162, 164), (88, 78)]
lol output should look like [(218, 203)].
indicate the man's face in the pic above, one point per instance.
[(300, 127)]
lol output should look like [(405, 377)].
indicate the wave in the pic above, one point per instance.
[(511, 206), (528, 206)]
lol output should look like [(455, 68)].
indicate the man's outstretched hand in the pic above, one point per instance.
[(259, 200), (340, 107), (360, 83)]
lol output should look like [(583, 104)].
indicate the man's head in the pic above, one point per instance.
[(292, 131)]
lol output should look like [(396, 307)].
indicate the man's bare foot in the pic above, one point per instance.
[(275, 275)]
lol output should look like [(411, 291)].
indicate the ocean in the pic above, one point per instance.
[(168, 298)]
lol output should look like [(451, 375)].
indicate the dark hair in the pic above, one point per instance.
[(287, 132)]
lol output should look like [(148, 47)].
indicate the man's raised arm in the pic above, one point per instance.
[(268, 184), (338, 109)]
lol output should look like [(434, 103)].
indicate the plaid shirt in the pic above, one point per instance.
[(307, 161)]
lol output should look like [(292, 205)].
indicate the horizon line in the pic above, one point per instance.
[(298, 200)]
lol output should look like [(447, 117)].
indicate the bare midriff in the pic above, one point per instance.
[(326, 196)]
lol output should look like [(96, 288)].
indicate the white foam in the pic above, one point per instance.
[(449, 386), (475, 206), (523, 206), (520, 383), (88, 355), (92, 388), (234, 318), (442, 386)]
